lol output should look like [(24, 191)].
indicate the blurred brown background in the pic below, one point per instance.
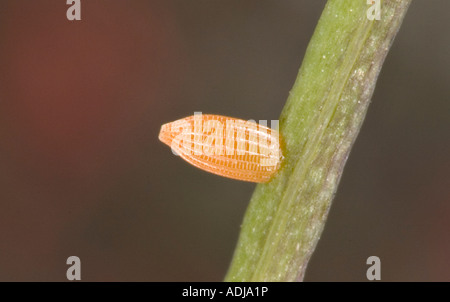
[(83, 173)]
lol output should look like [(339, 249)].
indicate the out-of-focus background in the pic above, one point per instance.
[(82, 171)]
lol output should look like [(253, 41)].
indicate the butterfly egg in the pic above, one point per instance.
[(225, 146)]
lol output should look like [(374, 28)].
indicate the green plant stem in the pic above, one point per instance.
[(319, 124)]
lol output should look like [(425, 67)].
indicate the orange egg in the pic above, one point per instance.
[(225, 146)]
